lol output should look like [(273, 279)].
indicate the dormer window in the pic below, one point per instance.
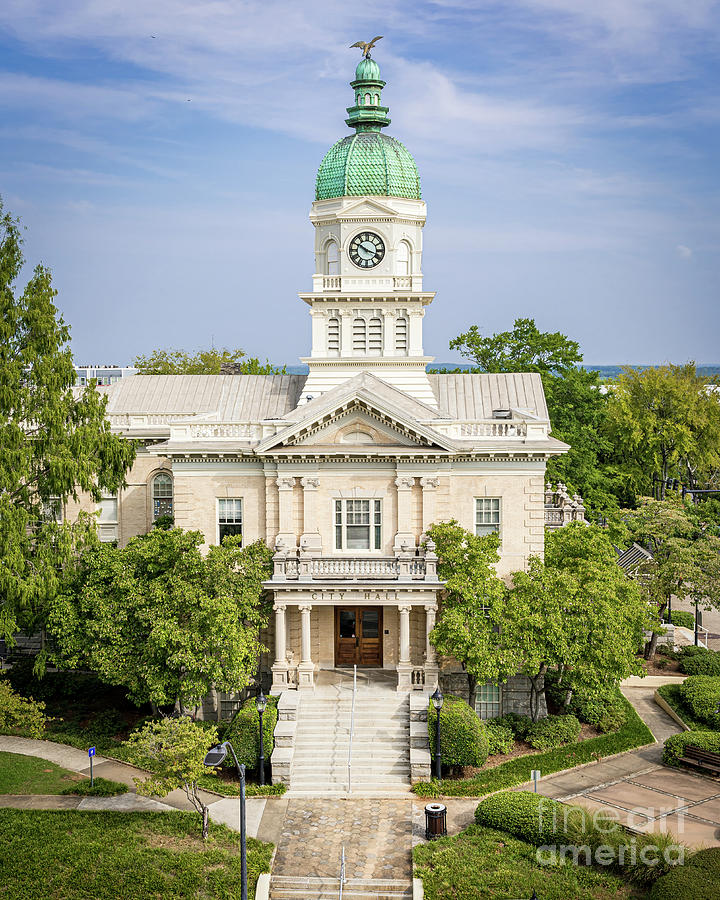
[(502, 414)]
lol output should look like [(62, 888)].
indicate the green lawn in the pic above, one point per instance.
[(30, 775), (480, 862), (71, 855)]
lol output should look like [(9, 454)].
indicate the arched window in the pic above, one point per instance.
[(368, 99), (332, 259), (401, 334), (377, 99), (403, 258), (375, 336), (359, 100), (162, 495), (359, 335), (333, 335)]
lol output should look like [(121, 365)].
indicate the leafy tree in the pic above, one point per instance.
[(665, 423), (174, 751), (576, 404), (19, 715), (204, 362), (686, 556), (54, 442), (542, 620), (160, 618)]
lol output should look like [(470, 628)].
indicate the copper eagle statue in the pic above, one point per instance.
[(366, 48)]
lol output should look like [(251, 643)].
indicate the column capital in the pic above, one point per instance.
[(286, 483), (279, 607), (404, 607), (405, 482), (305, 607), (431, 608), (429, 482), (310, 483)]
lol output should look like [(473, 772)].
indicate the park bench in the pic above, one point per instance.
[(701, 759)]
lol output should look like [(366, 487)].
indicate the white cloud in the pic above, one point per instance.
[(683, 251)]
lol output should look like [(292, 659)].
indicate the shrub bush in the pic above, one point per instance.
[(606, 713), (700, 662), (702, 695), (542, 821), (463, 739), (19, 715), (518, 724), (686, 883), (708, 860), (683, 619), (103, 787), (674, 746), (500, 738), (243, 732), (552, 732)]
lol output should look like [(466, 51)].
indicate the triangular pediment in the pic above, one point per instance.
[(367, 208), (362, 404)]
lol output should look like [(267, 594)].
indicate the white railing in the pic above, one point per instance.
[(332, 283), (342, 872), (222, 430), (349, 283), (352, 728), (489, 428), (343, 568), (289, 565), (402, 282)]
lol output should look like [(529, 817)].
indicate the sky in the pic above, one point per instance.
[(162, 158)]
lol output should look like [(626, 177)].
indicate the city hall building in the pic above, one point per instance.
[(343, 470)]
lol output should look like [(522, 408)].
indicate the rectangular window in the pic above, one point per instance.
[(52, 510), (358, 524), (107, 519), (487, 515), (229, 518), (488, 701)]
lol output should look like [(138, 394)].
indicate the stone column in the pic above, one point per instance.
[(415, 345), (346, 343), (319, 333), (404, 666), (279, 667), (286, 534), (431, 663), (404, 538), (388, 334), (310, 541), (429, 485), (306, 669)]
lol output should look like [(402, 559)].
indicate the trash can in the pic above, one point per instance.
[(435, 821)]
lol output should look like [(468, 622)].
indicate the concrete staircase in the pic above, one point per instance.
[(380, 747), (287, 887)]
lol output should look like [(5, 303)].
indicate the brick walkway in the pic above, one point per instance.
[(377, 835)]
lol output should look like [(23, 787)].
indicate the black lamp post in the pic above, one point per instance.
[(213, 758), (437, 699), (260, 704)]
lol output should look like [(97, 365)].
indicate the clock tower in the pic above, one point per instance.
[(367, 303)]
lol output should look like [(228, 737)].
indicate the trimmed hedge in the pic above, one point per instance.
[(683, 619), (699, 661), (634, 733), (702, 695), (708, 860), (500, 738), (672, 696), (545, 822), (552, 732), (604, 713), (463, 739), (674, 746), (243, 732), (686, 883)]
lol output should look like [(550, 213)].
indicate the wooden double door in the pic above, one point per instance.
[(358, 635)]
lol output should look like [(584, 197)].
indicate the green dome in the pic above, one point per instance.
[(367, 70), (368, 162)]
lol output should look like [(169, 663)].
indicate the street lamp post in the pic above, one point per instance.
[(437, 699), (213, 758), (260, 704)]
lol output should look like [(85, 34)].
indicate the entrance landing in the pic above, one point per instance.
[(339, 682)]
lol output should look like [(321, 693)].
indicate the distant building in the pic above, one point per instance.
[(102, 374)]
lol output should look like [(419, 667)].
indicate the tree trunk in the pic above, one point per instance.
[(651, 645), (535, 693), (567, 698), (206, 825)]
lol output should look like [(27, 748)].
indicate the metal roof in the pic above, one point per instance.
[(254, 398), (229, 398), (469, 397)]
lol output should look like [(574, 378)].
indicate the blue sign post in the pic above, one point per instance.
[(91, 753)]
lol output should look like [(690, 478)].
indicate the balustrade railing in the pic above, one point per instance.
[(288, 565)]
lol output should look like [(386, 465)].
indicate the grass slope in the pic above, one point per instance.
[(21, 774), (482, 862), (70, 855), (634, 733)]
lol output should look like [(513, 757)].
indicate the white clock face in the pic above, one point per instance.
[(367, 250)]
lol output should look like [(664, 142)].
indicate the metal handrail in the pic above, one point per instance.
[(352, 728), (342, 872)]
